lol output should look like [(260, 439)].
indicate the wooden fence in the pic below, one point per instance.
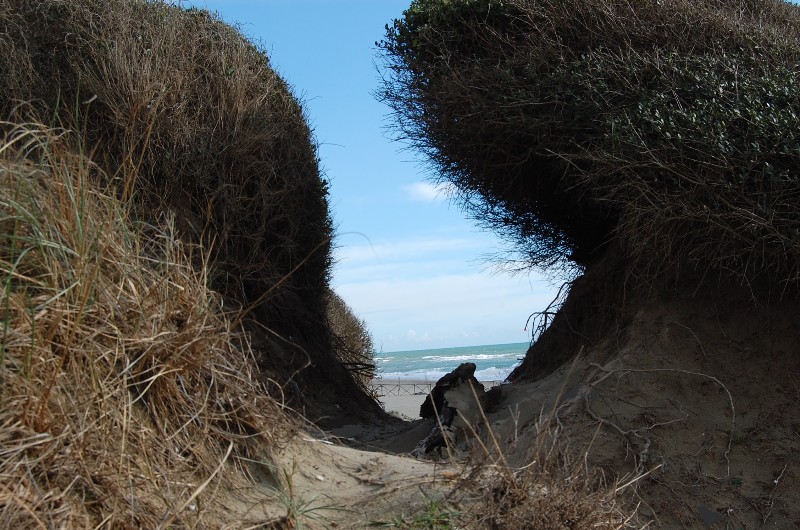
[(397, 388)]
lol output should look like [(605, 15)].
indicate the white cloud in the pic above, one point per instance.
[(427, 192), (387, 253), (432, 293), (446, 310), (415, 258)]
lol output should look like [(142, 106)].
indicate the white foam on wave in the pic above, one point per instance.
[(492, 373), (476, 357)]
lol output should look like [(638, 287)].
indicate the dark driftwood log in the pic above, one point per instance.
[(436, 404), (464, 372)]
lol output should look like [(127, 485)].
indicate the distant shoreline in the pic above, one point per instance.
[(493, 362), (524, 345), (396, 381)]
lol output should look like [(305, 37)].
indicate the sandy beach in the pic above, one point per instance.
[(403, 397)]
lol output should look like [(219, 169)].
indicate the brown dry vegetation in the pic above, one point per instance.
[(164, 255), (352, 340), (184, 115), (534, 481), (124, 385), (164, 252)]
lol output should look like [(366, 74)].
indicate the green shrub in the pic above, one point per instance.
[(665, 130)]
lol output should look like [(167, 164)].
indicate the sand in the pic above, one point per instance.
[(695, 410), (692, 406)]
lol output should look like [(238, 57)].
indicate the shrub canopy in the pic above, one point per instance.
[(666, 129)]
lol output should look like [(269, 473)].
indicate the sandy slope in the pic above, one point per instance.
[(694, 402), (696, 397), (327, 484), (702, 396)]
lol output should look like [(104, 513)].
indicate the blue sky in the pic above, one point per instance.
[(407, 261)]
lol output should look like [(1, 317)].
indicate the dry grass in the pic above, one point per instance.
[(194, 111), (127, 399), (549, 488), (556, 493), (129, 392), (513, 480)]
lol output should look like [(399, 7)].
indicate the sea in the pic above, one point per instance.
[(494, 362)]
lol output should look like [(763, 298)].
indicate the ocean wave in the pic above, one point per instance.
[(476, 357), (493, 373)]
